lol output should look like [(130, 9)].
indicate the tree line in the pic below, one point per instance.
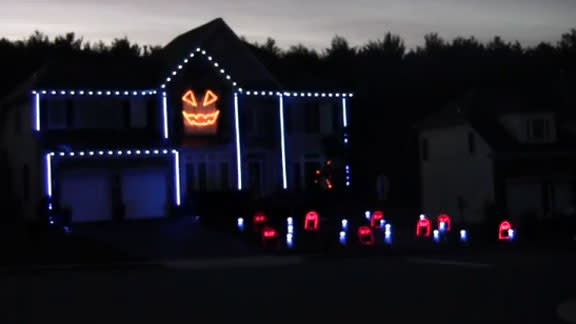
[(395, 86)]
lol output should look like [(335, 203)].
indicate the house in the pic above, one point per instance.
[(499, 155), (111, 139)]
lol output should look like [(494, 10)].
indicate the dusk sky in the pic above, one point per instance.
[(310, 22)]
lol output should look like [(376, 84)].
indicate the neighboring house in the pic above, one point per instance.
[(117, 140), (499, 157)]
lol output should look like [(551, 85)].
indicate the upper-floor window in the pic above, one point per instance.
[(96, 113), (539, 129), (312, 122)]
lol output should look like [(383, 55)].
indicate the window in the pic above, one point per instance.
[(138, 112), (288, 111), (471, 143), (56, 113), (248, 120), (335, 117), (126, 113), (310, 168), (69, 113), (224, 176), (424, 149), (539, 129), (312, 118), (202, 176)]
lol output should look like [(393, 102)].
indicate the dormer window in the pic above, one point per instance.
[(539, 130)]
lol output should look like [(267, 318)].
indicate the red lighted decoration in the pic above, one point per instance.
[(269, 236), (311, 221), (377, 216), (503, 232), (259, 220), (269, 233), (423, 227), (444, 218), (365, 235)]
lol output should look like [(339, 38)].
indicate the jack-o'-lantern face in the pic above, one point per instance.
[(200, 116)]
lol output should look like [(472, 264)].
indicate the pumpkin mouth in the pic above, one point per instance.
[(199, 119)]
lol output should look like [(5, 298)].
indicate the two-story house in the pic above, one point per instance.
[(497, 156), (111, 139)]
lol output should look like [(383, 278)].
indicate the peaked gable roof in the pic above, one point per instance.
[(221, 43), (482, 111), (108, 72)]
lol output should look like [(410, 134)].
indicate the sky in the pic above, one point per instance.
[(310, 22)]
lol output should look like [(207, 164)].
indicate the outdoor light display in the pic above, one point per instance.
[(436, 234), (388, 233), (506, 232), (269, 236), (289, 232), (463, 235), (259, 221), (240, 223), (365, 236), (377, 220), (342, 237), (444, 223), (311, 221), (423, 227), (200, 116), (325, 176)]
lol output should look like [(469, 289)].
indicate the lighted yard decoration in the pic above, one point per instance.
[(423, 227), (506, 231), (377, 220), (311, 221), (200, 117), (444, 223)]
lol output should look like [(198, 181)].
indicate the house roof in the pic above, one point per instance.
[(219, 41), (482, 110), (215, 37)]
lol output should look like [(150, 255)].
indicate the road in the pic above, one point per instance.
[(489, 288)]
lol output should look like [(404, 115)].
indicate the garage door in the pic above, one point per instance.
[(87, 194), (144, 193)]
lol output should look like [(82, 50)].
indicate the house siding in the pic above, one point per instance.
[(452, 171)]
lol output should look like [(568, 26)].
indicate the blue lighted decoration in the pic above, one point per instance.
[(269, 93), (199, 52), (37, 111), (176, 174), (240, 223), (345, 225), (367, 215), (117, 153), (348, 183), (289, 240), (442, 226), (283, 142), (342, 237), (388, 233), (436, 235), (344, 112), (165, 115), (511, 234), (57, 92), (463, 235), (238, 146)]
